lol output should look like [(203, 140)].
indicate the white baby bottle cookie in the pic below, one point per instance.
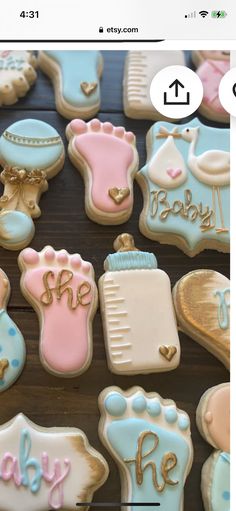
[(139, 322)]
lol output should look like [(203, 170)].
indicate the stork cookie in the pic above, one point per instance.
[(213, 421), (185, 184), (139, 322), (31, 152), (211, 67), (140, 69), (12, 345), (202, 301), (107, 159), (17, 74), (62, 290), (75, 76), (47, 468), (150, 440)]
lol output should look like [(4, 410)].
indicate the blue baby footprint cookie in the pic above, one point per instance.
[(12, 345)]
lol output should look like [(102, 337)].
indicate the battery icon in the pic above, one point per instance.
[(218, 14)]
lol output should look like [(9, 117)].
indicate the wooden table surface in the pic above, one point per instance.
[(51, 401)]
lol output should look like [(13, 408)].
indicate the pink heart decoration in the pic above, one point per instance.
[(173, 173)]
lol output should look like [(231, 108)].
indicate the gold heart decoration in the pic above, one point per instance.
[(168, 352), (88, 87), (118, 194)]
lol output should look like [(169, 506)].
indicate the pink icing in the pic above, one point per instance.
[(109, 158), (173, 173), (211, 73)]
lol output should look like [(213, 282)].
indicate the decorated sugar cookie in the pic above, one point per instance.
[(140, 69), (17, 75), (150, 440), (137, 310), (12, 345), (47, 468), (202, 305), (211, 67), (76, 80), (62, 290), (107, 159), (213, 421), (31, 152), (185, 184)]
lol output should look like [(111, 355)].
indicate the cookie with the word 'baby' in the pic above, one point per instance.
[(107, 158), (17, 75), (12, 345), (47, 468), (211, 67), (75, 75), (213, 421), (185, 184), (149, 438), (31, 153), (140, 328), (202, 305), (62, 290), (140, 69)]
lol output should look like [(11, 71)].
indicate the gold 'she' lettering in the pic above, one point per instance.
[(63, 278), (168, 462)]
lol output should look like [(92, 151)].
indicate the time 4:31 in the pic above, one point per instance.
[(29, 14)]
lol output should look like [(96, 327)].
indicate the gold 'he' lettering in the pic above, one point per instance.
[(64, 277)]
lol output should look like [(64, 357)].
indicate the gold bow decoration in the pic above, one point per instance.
[(18, 178), (164, 133)]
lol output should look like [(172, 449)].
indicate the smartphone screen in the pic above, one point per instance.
[(117, 129)]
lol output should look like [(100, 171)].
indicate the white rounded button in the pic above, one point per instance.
[(227, 91)]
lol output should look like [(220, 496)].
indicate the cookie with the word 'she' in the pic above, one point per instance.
[(140, 328), (62, 290), (202, 305), (31, 153), (75, 75), (107, 158), (211, 67), (185, 184), (17, 75), (149, 438), (213, 421), (140, 69), (47, 468), (12, 345)]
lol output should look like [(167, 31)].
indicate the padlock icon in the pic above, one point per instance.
[(100, 30)]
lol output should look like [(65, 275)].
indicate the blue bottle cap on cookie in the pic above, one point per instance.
[(128, 257)]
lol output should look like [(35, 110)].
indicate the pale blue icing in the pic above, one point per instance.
[(29, 157), (131, 261), (171, 415), (115, 404), (16, 228), (183, 422), (139, 404), (77, 67), (223, 308), (209, 138), (154, 408), (12, 348), (221, 483)]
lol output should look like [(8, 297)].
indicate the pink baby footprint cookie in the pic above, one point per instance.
[(107, 159), (62, 290)]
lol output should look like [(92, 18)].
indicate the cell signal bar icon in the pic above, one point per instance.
[(203, 14), (191, 15)]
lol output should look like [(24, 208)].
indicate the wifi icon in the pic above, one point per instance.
[(203, 14)]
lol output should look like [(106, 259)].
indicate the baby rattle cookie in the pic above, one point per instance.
[(107, 159), (138, 315), (31, 152), (211, 67), (76, 80), (213, 421), (62, 290), (17, 74), (47, 468), (185, 184), (202, 302), (12, 345), (149, 438), (140, 69)]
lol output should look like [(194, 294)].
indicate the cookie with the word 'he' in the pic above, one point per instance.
[(75, 75), (185, 184), (47, 468), (17, 75), (149, 438), (202, 302)]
